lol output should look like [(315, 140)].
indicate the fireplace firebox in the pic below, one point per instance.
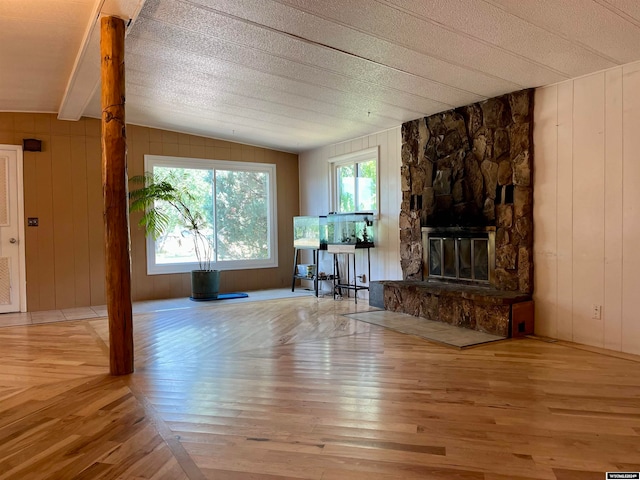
[(459, 254)]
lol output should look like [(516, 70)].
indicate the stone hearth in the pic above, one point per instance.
[(488, 310)]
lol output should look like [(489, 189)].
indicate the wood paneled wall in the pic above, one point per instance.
[(587, 209), (63, 188), (315, 195)]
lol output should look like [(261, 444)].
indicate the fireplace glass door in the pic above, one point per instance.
[(459, 258), (435, 257), (480, 259), (449, 258)]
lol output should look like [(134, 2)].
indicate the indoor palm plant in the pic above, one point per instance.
[(165, 200)]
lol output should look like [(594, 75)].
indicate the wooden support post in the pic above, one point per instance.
[(114, 187)]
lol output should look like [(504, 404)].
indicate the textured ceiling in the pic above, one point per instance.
[(298, 74)]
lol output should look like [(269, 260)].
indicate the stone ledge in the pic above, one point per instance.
[(478, 308), (472, 292)]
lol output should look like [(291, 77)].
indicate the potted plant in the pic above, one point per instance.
[(165, 200)]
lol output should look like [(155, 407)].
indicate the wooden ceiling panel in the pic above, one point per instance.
[(413, 28), (344, 72), (501, 29), (610, 28), (40, 39), (221, 77)]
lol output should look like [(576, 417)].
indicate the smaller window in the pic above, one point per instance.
[(354, 182)]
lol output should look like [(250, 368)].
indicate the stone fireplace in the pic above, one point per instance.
[(466, 220), (470, 168)]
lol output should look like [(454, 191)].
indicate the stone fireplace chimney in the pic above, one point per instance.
[(468, 170)]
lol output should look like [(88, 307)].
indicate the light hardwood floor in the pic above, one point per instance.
[(293, 389)]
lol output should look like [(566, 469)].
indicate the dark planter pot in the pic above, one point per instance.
[(205, 284)]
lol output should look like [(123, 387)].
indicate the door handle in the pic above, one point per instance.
[(13, 240)]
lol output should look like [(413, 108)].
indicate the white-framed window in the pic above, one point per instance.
[(238, 200), (354, 182)]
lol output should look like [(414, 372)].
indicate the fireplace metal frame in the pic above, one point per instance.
[(458, 233)]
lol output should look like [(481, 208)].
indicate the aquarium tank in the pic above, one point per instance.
[(351, 229), (310, 232)]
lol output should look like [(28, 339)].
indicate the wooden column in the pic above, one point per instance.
[(114, 187)]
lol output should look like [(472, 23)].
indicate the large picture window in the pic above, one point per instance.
[(354, 180), (238, 200)]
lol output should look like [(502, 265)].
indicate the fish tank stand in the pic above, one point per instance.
[(349, 251)]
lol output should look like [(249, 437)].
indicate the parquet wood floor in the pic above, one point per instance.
[(291, 389)]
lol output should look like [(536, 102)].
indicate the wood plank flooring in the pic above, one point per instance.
[(292, 389)]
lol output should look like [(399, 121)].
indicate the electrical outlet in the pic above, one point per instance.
[(596, 312)]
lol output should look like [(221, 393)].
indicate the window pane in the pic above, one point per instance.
[(242, 215), (236, 202), (367, 191), (345, 176), (178, 244)]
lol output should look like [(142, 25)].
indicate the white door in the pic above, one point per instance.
[(11, 227)]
